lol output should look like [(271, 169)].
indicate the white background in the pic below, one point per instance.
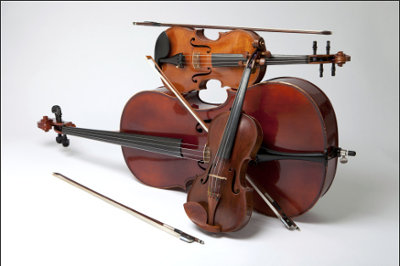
[(89, 59)]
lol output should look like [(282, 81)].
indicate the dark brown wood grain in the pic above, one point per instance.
[(234, 206), (295, 116)]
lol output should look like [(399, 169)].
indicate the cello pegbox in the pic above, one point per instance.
[(57, 124), (45, 124)]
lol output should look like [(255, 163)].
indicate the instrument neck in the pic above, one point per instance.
[(232, 60), (155, 144), (229, 135)]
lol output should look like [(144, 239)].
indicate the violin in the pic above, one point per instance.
[(189, 59), (219, 199), (164, 147)]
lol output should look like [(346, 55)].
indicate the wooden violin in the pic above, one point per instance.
[(219, 199), (189, 59)]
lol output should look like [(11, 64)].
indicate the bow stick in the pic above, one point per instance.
[(167, 228), (151, 23), (264, 195), (172, 88)]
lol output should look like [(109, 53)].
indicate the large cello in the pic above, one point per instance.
[(165, 147)]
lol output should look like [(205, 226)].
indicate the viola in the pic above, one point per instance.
[(189, 59), (164, 147), (219, 199)]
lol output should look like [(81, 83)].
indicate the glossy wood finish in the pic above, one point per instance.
[(294, 114), (232, 208), (232, 42)]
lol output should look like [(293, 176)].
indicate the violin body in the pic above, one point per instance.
[(224, 203), (295, 117), (203, 59)]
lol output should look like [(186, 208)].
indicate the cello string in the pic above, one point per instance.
[(163, 151), (128, 135), (186, 151), (125, 142)]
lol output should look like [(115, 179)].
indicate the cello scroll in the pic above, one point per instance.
[(47, 124)]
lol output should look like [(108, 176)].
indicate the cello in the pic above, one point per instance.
[(164, 147)]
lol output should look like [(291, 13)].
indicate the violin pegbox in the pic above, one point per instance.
[(340, 58), (46, 124)]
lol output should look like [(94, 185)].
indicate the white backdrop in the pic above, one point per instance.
[(89, 59)]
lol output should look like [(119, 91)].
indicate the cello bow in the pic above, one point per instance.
[(167, 228)]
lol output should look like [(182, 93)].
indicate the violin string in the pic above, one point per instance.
[(233, 120), (236, 64), (218, 161), (272, 56)]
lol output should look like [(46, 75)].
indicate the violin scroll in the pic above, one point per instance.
[(341, 58), (338, 59)]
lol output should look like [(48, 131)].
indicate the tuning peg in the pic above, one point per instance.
[(314, 47), (333, 73), (321, 70), (328, 47), (59, 139), (65, 141)]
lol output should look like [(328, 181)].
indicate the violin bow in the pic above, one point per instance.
[(172, 88), (167, 228), (151, 23), (264, 195)]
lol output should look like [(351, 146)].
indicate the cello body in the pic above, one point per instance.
[(294, 114)]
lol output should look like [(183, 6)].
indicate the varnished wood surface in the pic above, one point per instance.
[(295, 117), (232, 42), (234, 206)]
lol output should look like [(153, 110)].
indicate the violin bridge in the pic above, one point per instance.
[(217, 176), (196, 60)]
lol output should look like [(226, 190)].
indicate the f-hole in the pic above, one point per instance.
[(201, 74), (200, 46), (205, 181), (233, 181)]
